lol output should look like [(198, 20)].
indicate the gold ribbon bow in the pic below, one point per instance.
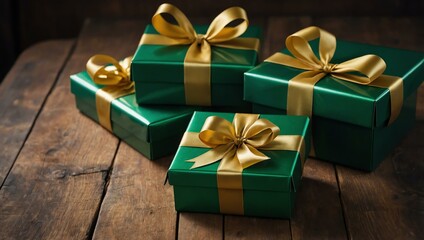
[(106, 70), (364, 70), (198, 57), (237, 145)]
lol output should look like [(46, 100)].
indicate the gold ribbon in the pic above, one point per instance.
[(198, 57), (364, 70), (106, 70), (236, 145)]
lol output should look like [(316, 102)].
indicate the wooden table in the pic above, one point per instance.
[(63, 176)]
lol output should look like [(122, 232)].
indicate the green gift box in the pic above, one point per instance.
[(350, 121), (158, 71), (154, 131), (268, 187)]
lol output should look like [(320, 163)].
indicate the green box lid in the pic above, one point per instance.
[(335, 99), (280, 173), (150, 54)]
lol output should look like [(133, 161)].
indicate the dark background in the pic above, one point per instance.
[(26, 22)]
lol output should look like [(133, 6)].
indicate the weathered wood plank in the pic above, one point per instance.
[(136, 195), (385, 204), (137, 203), (200, 226), (55, 188), (23, 93), (238, 227), (318, 210)]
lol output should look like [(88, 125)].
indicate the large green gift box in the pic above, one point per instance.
[(350, 121), (158, 71), (268, 187), (154, 131)]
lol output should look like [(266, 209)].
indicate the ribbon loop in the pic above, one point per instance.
[(235, 143), (183, 32), (106, 70), (219, 31), (361, 70)]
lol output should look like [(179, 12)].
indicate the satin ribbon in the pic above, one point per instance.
[(106, 70), (236, 145), (364, 70), (197, 69)]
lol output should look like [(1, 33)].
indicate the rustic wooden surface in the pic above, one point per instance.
[(64, 177)]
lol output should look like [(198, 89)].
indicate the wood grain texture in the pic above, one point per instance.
[(23, 93), (55, 188), (200, 226), (239, 227), (137, 203), (318, 212), (387, 204)]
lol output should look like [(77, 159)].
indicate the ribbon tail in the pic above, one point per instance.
[(210, 156), (248, 156)]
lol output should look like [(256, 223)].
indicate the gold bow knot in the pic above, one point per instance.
[(106, 70), (235, 143), (364, 70), (198, 57)]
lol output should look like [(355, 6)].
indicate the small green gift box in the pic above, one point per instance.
[(244, 164), (356, 119), (200, 67), (154, 131)]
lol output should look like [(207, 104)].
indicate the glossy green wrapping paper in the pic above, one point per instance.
[(154, 131), (349, 123), (158, 72), (269, 187)]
